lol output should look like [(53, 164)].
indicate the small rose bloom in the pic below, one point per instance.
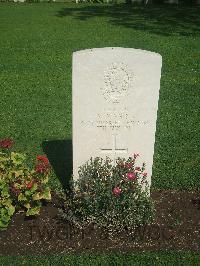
[(117, 191), (131, 176), (6, 143), (144, 174)]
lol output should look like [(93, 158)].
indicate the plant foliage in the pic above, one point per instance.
[(115, 197), (21, 187)]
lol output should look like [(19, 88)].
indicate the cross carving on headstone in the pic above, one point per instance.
[(114, 151)]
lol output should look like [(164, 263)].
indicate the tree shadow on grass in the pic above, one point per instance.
[(59, 153), (163, 20)]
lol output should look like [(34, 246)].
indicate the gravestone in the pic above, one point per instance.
[(115, 101)]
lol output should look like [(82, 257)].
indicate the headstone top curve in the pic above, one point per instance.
[(110, 49)]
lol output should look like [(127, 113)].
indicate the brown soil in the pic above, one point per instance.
[(176, 227)]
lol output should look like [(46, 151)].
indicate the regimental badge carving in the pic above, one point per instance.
[(117, 82)]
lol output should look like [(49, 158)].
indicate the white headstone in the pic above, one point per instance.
[(115, 101)]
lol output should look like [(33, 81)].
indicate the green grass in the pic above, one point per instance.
[(36, 46), (148, 258)]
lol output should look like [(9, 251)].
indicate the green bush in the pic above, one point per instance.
[(21, 187), (115, 197)]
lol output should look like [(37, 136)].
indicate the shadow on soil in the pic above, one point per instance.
[(158, 19), (59, 153)]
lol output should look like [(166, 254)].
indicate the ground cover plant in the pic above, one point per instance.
[(21, 188), (36, 44)]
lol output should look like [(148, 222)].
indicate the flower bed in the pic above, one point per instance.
[(115, 197)]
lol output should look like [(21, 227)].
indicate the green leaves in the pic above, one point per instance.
[(47, 194), (22, 197), (110, 196), (17, 158), (33, 211), (6, 212), (11, 209), (4, 192), (22, 186)]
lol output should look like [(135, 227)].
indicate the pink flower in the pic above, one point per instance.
[(131, 176), (117, 191), (144, 174)]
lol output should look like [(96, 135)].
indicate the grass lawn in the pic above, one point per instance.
[(148, 258), (36, 46)]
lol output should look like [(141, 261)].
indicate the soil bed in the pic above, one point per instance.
[(176, 227)]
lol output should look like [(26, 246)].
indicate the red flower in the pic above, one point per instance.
[(30, 184), (43, 159), (131, 176), (136, 155), (144, 174), (117, 191), (6, 143), (41, 168)]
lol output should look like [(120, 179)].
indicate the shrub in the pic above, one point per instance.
[(115, 197), (21, 187)]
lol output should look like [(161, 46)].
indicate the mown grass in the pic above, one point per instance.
[(36, 46), (148, 258)]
